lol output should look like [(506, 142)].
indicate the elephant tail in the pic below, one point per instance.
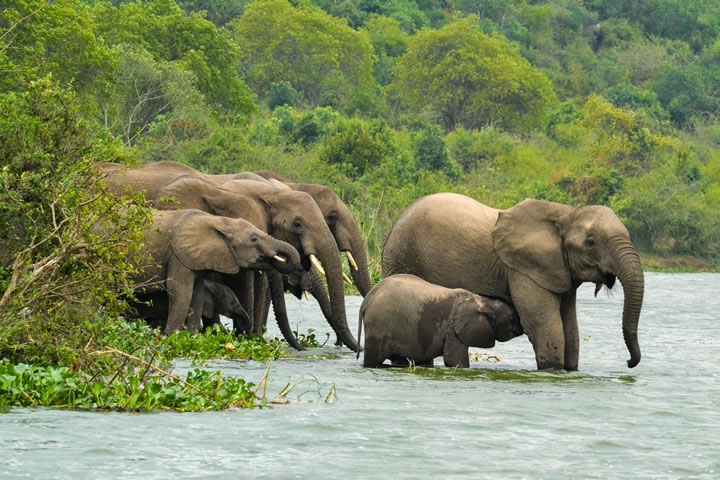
[(361, 317)]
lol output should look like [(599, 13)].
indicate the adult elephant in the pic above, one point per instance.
[(337, 215), (294, 217), (536, 252), (164, 179), (183, 245)]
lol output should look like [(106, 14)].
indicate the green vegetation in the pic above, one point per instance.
[(596, 102)]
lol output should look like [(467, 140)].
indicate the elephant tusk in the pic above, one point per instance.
[(347, 279), (307, 296), (279, 258), (317, 264), (351, 260)]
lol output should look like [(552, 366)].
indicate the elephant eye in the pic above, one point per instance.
[(589, 243), (297, 225), (254, 239), (331, 219)]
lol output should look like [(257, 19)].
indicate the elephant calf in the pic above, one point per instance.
[(407, 318)]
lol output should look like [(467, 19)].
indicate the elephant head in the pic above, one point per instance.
[(208, 242), (347, 234), (295, 218), (478, 321), (560, 247), (337, 215)]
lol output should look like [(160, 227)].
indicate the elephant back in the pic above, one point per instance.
[(444, 239)]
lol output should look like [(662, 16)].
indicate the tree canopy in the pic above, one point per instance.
[(467, 78)]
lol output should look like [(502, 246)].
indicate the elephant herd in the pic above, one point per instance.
[(457, 273)]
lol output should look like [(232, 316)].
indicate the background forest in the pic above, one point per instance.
[(581, 102)]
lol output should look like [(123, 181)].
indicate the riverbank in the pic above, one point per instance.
[(677, 263)]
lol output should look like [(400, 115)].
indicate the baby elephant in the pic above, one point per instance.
[(407, 318)]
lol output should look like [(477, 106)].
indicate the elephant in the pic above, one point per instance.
[(286, 214), (337, 215), (218, 299), (407, 318), (183, 245), (293, 216), (537, 253)]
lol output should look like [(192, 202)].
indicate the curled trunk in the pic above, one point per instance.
[(630, 273)]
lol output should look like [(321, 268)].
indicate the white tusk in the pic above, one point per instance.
[(347, 279), (351, 260), (279, 258), (317, 264), (307, 296)]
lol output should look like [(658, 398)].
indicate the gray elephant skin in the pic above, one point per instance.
[(218, 299), (409, 319), (536, 253), (292, 216), (182, 246)]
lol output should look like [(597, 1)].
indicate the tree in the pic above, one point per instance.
[(40, 37), (389, 42), (55, 266), (190, 42), (320, 56), (467, 78)]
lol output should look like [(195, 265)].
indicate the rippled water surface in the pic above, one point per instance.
[(495, 420)]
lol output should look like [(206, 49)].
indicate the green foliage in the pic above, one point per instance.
[(358, 147), (466, 78), (281, 93), (320, 56), (630, 96), (139, 390), (218, 342), (431, 152), (190, 42), (683, 93), (67, 241), (58, 38)]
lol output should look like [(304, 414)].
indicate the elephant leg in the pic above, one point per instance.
[(180, 283), (373, 356), (455, 353), (260, 287), (194, 319), (242, 286), (570, 328), (539, 312)]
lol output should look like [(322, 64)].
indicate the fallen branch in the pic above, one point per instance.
[(113, 350)]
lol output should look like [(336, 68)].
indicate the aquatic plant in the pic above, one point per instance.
[(136, 390)]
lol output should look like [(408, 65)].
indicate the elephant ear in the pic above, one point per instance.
[(203, 242), (527, 239), (470, 324)]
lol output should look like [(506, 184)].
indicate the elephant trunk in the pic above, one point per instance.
[(330, 257), (277, 293), (361, 276), (283, 257), (630, 273)]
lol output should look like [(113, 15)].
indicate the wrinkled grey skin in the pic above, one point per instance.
[(181, 246), (409, 319), (218, 300), (291, 216), (341, 223), (537, 253)]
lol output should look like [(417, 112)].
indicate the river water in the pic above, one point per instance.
[(498, 419)]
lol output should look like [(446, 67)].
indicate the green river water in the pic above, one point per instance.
[(497, 420)]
